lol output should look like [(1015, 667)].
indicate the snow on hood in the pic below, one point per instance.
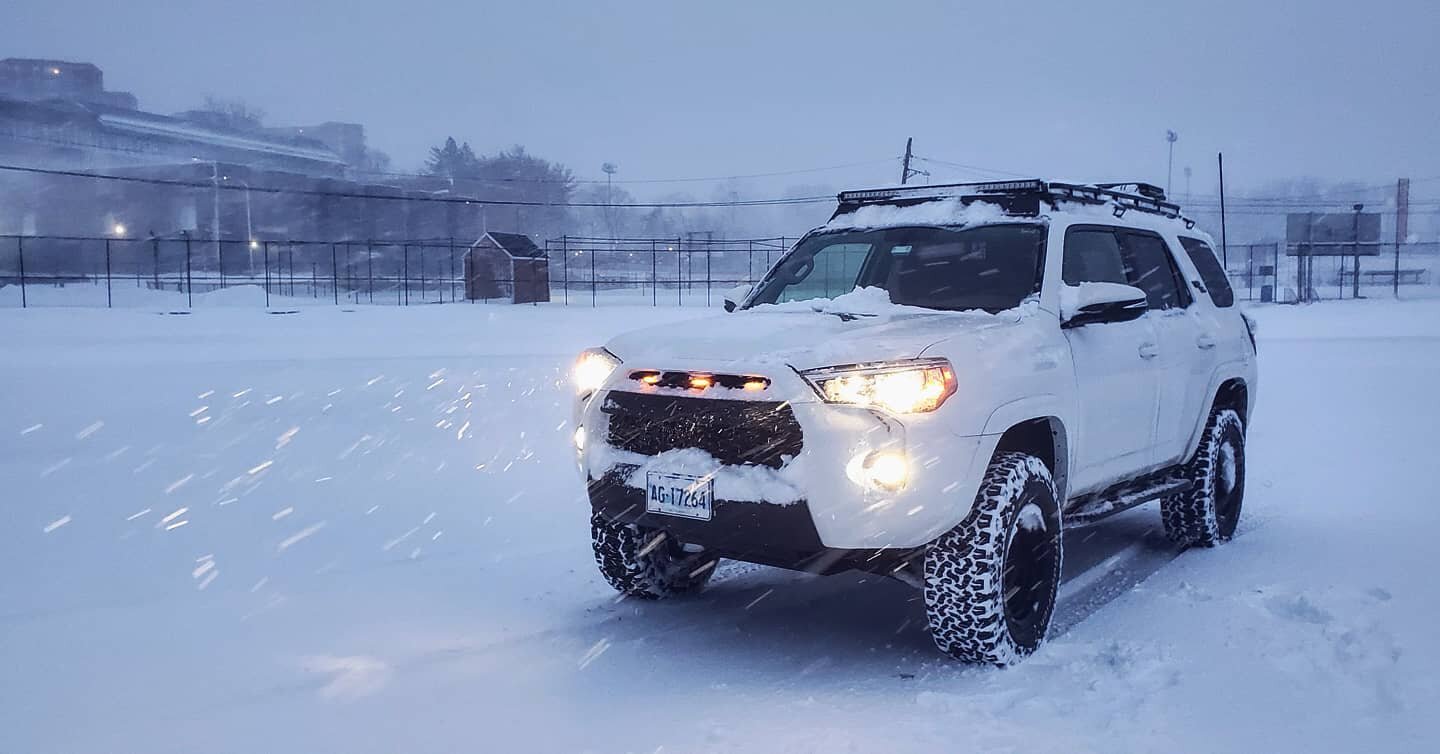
[(868, 301), (808, 334), (938, 212)]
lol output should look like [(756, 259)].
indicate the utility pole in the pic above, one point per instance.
[(1224, 241), (907, 172), (1170, 137), (905, 167), (1402, 226)]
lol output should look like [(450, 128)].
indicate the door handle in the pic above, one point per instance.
[(1149, 350), (1205, 342)]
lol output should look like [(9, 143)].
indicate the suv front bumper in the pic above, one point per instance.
[(829, 519)]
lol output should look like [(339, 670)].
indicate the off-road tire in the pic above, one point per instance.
[(973, 613), (646, 563), (1207, 513)]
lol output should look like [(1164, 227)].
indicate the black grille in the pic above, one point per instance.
[(735, 432)]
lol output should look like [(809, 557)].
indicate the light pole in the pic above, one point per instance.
[(1355, 284), (215, 210), (609, 169), (215, 207), (251, 244), (1170, 138)]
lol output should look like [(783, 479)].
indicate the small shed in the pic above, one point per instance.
[(507, 266)]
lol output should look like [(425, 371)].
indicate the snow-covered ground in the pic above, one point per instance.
[(359, 531)]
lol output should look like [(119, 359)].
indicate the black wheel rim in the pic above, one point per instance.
[(1032, 560), (1229, 485)]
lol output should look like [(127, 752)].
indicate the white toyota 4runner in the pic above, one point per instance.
[(930, 387)]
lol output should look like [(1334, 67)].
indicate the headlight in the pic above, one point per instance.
[(904, 387), (592, 368)]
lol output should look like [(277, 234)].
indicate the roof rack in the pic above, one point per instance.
[(1023, 196)]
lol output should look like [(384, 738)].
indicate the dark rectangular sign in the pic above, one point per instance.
[(1332, 234)]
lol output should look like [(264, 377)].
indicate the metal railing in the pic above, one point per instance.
[(186, 272), (189, 271), (1290, 273)]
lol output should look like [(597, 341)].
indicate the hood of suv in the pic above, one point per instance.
[(801, 339)]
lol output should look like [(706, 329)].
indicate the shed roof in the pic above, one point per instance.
[(515, 244)]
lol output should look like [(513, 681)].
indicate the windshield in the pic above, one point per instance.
[(991, 267)]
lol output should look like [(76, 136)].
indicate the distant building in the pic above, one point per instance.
[(344, 139), (56, 115), (36, 80)]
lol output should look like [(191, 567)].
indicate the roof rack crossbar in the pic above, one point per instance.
[(1105, 193), (1144, 198)]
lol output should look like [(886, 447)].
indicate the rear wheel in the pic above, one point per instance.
[(990, 583), (1207, 513), (646, 563)]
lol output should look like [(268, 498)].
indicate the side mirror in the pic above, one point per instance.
[(1096, 303), (736, 296)]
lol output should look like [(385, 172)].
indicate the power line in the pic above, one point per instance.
[(703, 179), (974, 168), (210, 185)]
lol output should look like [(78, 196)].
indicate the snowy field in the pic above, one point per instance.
[(360, 531)]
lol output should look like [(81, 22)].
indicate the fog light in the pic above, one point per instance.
[(580, 439), (886, 469)]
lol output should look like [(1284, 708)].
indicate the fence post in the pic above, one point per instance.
[(422, 273), (707, 276), (404, 276), (654, 277), (452, 269), (266, 252), (749, 261), (155, 247), (370, 267), (189, 286), (290, 256), (314, 281), (679, 275), (220, 255), (565, 266), (109, 297), (20, 253), (593, 253), (334, 275), (1396, 282)]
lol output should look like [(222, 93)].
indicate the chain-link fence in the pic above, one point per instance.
[(1288, 273), (656, 271), (181, 272), (189, 272)]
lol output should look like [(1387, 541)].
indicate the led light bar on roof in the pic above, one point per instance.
[(939, 192)]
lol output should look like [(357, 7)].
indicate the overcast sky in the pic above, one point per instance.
[(1337, 90)]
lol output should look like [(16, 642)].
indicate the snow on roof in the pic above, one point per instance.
[(951, 211), (515, 244)]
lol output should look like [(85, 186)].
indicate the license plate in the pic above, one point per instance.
[(680, 495)]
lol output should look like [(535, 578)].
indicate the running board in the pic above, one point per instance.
[(1095, 506)]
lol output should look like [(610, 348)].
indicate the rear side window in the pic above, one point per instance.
[(1211, 272), (1092, 255), (1149, 267)]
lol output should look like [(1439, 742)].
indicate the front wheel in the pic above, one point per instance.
[(991, 582), (646, 563), (1206, 514)]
